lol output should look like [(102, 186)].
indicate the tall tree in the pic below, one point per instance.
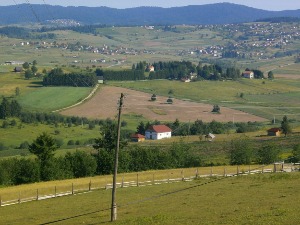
[(106, 146), (26, 65), (268, 154), (241, 152), (141, 128), (270, 75), (5, 109), (285, 126), (43, 147)]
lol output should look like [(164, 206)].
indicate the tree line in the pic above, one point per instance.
[(56, 77), (23, 33), (199, 127), (9, 108), (122, 75), (132, 158)]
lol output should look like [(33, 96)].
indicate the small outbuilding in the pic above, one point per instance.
[(18, 69), (274, 132), (137, 138), (210, 137)]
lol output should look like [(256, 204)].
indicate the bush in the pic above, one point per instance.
[(170, 100), (24, 145), (59, 142), (71, 142), (2, 147)]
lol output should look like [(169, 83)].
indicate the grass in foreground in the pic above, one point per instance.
[(255, 199)]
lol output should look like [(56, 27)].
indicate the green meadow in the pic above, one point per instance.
[(253, 199)]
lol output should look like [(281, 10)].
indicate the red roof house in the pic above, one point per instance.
[(137, 138), (157, 132), (274, 132)]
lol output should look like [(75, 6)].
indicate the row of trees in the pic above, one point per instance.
[(57, 77), (124, 75), (131, 159), (245, 152), (24, 33), (201, 128), (9, 108)]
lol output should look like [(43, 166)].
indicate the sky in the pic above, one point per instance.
[(275, 5)]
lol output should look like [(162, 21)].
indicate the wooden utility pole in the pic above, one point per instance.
[(113, 201)]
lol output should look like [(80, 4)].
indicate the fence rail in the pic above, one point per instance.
[(138, 182)]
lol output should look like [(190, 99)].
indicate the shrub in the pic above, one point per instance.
[(24, 145), (71, 142), (170, 100)]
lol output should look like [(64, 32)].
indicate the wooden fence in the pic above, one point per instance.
[(139, 180)]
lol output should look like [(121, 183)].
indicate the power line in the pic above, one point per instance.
[(152, 197), (33, 11)]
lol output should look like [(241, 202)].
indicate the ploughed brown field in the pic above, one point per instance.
[(104, 104)]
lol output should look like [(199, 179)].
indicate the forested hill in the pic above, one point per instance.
[(220, 13)]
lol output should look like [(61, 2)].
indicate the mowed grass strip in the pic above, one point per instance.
[(255, 199), (53, 98), (211, 91), (48, 188)]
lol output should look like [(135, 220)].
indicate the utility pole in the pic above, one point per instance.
[(113, 202)]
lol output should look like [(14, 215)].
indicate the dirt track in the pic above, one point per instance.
[(104, 105)]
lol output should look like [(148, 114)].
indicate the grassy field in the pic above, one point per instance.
[(53, 98), (13, 136), (255, 199), (261, 98)]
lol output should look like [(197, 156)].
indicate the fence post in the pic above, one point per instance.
[(182, 175), (72, 188), (55, 191), (137, 180), (37, 194), (262, 169), (224, 171), (211, 171), (249, 171), (274, 169), (197, 174), (19, 200), (122, 182), (90, 185), (0, 200)]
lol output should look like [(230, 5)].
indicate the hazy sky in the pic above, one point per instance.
[(260, 4)]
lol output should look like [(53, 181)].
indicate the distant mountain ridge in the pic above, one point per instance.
[(219, 13)]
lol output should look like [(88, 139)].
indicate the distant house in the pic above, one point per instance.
[(157, 132), (14, 63), (18, 69), (137, 138), (100, 79), (185, 80), (274, 132), (151, 68), (248, 74)]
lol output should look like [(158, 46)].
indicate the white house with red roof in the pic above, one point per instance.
[(157, 132)]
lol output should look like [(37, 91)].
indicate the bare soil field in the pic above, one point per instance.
[(104, 105)]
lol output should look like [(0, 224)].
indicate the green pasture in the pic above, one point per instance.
[(14, 136), (214, 91), (53, 98), (10, 81), (254, 199)]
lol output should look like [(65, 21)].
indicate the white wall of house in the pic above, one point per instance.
[(157, 136)]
